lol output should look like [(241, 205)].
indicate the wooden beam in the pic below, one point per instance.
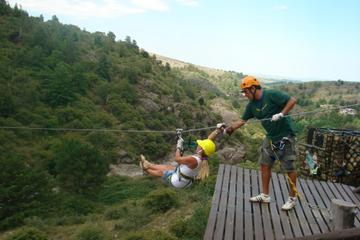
[(357, 190), (346, 234), (312, 146)]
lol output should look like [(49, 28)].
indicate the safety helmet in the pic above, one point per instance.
[(249, 81), (207, 145)]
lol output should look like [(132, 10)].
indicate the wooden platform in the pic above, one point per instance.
[(232, 216)]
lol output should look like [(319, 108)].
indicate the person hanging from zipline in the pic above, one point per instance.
[(189, 167)]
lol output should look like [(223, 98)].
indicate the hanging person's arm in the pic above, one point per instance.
[(229, 130), (220, 128)]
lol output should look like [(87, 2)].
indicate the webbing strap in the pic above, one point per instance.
[(177, 170), (293, 186)]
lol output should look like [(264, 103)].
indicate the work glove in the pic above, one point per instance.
[(180, 144), (277, 117)]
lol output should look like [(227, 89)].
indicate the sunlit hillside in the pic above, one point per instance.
[(73, 103)]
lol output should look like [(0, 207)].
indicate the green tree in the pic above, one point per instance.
[(28, 234), (80, 168), (112, 36), (7, 105), (104, 66), (4, 7), (60, 89), (55, 19), (23, 189)]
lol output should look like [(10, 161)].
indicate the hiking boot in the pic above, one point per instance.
[(262, 198), (290, 204)]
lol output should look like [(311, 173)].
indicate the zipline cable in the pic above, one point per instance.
[(161, 131), (87, 129), (309, 112)]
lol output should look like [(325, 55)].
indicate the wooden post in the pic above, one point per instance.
[(342, 214), (357, 190)]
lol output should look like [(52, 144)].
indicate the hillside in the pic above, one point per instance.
[(55, 75), (312, 96), (227, 81), (68, 98), (309, 94)]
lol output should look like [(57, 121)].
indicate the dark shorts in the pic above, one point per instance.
[(286, 155)]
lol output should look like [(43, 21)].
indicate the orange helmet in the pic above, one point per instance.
[(249, 81)]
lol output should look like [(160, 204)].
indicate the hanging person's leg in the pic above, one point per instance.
[(154, 169)]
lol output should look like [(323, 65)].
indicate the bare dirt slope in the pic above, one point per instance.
[(220, 106)]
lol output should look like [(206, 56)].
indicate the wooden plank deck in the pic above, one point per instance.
[(232, 216)]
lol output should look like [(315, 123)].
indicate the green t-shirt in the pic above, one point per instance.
[(271, 102)]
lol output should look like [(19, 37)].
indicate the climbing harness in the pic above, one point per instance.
[(278, 150), (280, 146), (182, 175)]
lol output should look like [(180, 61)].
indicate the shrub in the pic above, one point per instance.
[(92, 232), (203, 190), (35, 222), (66, 220), (119, 188), (80, 168), (78, 205), (23, 189), (28, 234), (116, 213), (135, 216), (192, 228), (158, 235), (161, 200)]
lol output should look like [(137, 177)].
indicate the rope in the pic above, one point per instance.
[(160, 131), (296, 192)]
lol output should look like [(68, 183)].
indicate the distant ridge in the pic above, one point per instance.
[(181, 64), (174, 63)]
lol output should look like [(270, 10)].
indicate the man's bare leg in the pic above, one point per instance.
[(265, 178)]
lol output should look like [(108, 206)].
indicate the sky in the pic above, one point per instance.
[(296, 39)]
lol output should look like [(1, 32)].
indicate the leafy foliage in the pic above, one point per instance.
[(28, 234), (159, 235), (59, 76), (79, 167), (92, 232), (161, 200), (119, 189), (192, 228), (23, 188)]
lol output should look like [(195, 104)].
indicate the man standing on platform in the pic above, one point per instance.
[(271, 107)]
